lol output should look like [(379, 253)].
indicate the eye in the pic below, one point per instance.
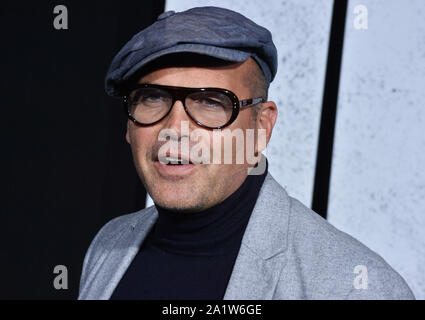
[(149, 96), (211, 102)]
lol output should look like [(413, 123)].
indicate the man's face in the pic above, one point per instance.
[(191, 187)]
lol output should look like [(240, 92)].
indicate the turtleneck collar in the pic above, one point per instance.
[(215, 231)]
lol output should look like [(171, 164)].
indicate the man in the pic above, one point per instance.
[(219, 229)]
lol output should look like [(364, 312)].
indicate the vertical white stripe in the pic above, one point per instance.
[(377, 191)]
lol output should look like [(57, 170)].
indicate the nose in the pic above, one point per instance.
[(176, 116)]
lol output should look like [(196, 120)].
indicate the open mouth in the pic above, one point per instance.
[(174, 167)]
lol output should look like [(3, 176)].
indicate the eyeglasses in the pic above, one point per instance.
[(213, 108)]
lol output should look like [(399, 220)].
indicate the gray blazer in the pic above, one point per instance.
[(287, 252)]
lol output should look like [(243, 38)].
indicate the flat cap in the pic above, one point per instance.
[(212, 31)]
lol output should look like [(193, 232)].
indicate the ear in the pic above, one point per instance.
[(266, 118), (127, 134)]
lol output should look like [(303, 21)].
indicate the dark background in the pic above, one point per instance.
[(66, 166)]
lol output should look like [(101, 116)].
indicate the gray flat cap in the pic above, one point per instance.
[(211, 31)]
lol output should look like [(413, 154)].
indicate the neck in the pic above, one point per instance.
[(212, 231)]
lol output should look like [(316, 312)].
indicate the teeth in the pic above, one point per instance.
[(172, 160)]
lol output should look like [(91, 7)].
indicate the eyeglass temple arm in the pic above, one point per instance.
[(250, 102)]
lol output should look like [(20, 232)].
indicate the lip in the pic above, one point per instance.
[(174, 171)]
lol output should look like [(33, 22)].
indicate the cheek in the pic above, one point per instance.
[(141, 140), (229, 144)]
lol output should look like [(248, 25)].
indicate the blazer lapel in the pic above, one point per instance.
[(261, 256)]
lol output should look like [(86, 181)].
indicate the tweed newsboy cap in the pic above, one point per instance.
[(211, 31)]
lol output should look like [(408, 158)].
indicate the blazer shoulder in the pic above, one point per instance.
[(113, 227), (108, 235), (334, 264)]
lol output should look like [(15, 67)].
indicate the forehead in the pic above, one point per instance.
[(193, 77), (193, 71)]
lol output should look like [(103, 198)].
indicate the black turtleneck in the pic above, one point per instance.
[(191, 255)]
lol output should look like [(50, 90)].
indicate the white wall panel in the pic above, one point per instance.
[(377, 189)]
